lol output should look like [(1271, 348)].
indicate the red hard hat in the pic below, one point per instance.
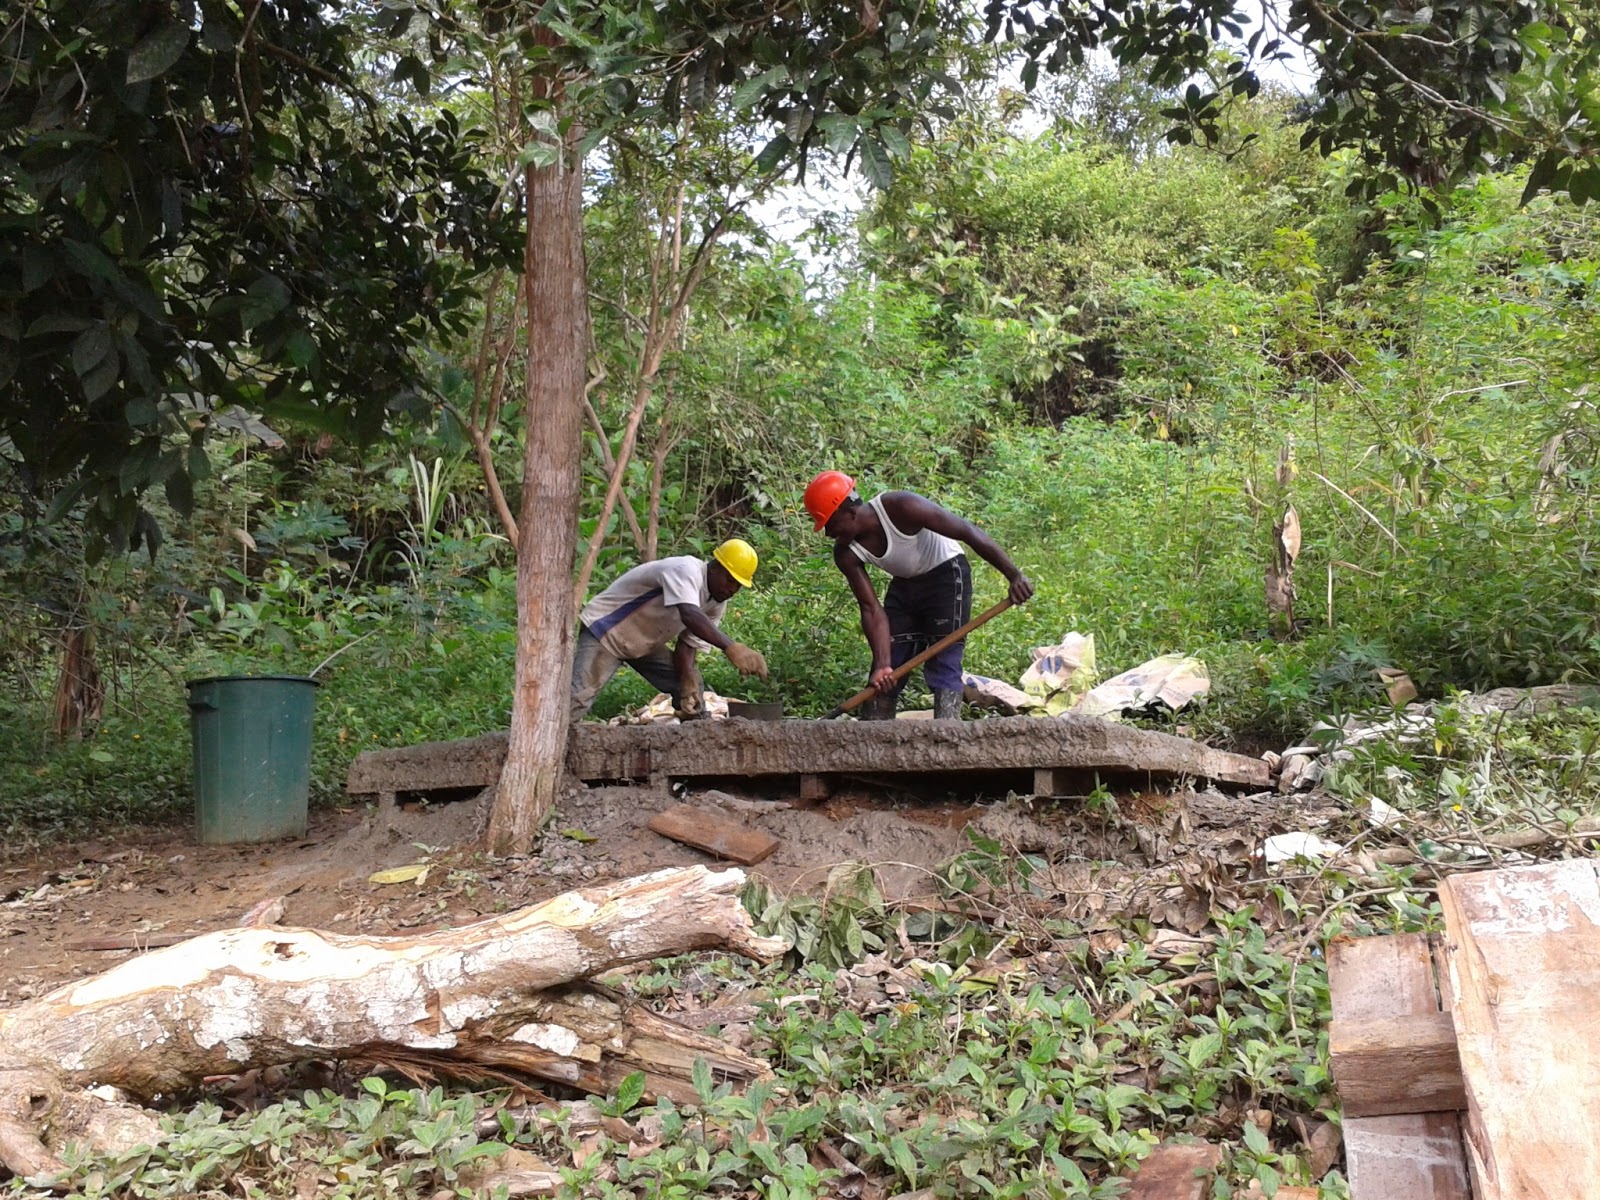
[(825, 493)]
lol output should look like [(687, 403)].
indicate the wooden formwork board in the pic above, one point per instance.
[(1406, 1156), (1524, 977)]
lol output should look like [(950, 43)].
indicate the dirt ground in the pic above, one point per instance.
[(58, 907), (78, 909)]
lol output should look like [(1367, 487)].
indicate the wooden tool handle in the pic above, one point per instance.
[(911, 665)]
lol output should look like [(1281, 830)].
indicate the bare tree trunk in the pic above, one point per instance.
[(658, 468), (609, 463), (488, 396), (558, 323), (630, 437), (669, 301)]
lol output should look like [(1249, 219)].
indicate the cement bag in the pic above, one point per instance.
[(1062, 673), (984, 692), (1172, 680)]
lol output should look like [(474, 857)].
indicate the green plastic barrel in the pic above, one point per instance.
[(252, 756)]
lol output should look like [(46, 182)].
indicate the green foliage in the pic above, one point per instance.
[(1476, 773), (207, 208), (381, 1142)]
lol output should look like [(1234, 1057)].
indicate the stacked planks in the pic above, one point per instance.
[(1471, 1051)]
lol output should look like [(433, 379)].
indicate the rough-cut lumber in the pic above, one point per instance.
[(1524, 971), (712, 749), (715, 834), (1405, 1064), (1416, 1156), (1175, 1172), (485, 999)]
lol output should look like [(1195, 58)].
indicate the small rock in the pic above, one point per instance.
[(1294, 766)]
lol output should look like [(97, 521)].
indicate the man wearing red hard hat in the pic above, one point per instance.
[(918, 544)]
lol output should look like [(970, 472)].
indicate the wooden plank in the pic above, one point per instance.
[(1416, 1156), (714, 833), (1405, 1064), (1174, 1172), (1524, 970), (814, 789)]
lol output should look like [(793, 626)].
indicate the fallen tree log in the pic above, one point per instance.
[(487, 1000)]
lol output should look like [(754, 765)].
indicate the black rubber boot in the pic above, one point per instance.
[(946, 704), (879, 708)]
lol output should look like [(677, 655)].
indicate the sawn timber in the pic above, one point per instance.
[(1052, 750)]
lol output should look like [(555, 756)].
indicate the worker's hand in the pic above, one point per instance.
[(691, 698), (1021, 590), (882, 681), (748, 661)]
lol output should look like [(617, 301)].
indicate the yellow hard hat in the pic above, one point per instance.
[(738, 557)]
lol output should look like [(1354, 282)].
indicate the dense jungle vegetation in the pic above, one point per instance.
[(1123, 358)]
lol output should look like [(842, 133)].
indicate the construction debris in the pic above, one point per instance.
[(1061, 681), (1524, 967), (660, 711), (1409, 1156), (1060, 674)]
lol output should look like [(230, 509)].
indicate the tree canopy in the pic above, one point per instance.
[(203, 205)]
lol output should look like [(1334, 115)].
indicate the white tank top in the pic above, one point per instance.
[(907, 556)]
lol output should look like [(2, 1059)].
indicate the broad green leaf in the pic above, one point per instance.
[(538, 154), (1203, 1049), (701, 1078), (1269, 1181), (755, 89), (266, 298), (90, 347), (157, 51), (299, 347), (773, 152), (902, 1158), (1255, 1140), (875, 164), (1543, 173), (630, 1091), (180, 493), (63, 500)]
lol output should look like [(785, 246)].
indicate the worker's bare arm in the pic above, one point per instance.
[(703, 627), (874, 621), (748, 661), (912, 514)]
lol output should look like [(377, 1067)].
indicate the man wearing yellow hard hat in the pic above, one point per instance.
[(678, 598)]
